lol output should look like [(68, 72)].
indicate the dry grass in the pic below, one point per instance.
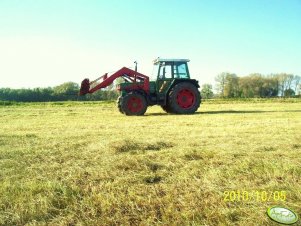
[(86, 164)]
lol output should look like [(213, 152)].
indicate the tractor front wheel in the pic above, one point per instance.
[(133, 104), (184, 98), (119, 104)]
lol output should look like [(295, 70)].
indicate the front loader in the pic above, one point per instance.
[(173, 89)]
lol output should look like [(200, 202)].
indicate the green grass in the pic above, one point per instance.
[(78, 163)]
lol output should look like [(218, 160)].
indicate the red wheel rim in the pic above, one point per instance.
[(185, 98), (135, 104)]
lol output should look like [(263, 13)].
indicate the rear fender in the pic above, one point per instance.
[(176, 81)]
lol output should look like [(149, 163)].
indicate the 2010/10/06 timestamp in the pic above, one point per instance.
[(258, 196)]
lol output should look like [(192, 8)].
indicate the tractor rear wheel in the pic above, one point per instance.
[(184, 98), (133, 104), (119, 104)]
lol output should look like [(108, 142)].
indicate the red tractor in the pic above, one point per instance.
[(173, 89)]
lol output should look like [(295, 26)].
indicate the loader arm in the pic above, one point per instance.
[(128, 74)]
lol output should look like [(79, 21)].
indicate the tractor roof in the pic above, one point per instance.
[(158, 60)]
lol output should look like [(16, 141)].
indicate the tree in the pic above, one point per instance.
[(245, 86), (66, 88), (258, 85), (231, 88), (297, 80), (289, 80), (206, 91), (284, 81), (269, 87), (289, 93), (220, 83)]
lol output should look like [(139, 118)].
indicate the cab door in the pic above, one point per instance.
[(165, 77)]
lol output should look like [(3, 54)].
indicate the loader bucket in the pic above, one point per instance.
[(85, 87)]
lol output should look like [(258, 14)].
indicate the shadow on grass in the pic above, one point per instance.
[(243, 112), (231, 112), (223, 112), (158, 114)]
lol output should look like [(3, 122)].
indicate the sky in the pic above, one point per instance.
[(48, 42)]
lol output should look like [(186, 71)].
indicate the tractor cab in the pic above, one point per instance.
[(171, 69), (165, 73)]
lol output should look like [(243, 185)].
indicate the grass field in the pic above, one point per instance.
[(78, 163)]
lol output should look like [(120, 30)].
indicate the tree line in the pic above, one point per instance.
[(64, 92), (229, 85)]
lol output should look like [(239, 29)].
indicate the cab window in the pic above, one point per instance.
[(181, 71), (165, 71)]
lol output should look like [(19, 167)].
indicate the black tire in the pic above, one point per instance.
[(133, 104), (119, 104), (184, 98)]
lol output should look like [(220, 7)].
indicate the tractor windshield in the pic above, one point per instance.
[(155, 72)]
